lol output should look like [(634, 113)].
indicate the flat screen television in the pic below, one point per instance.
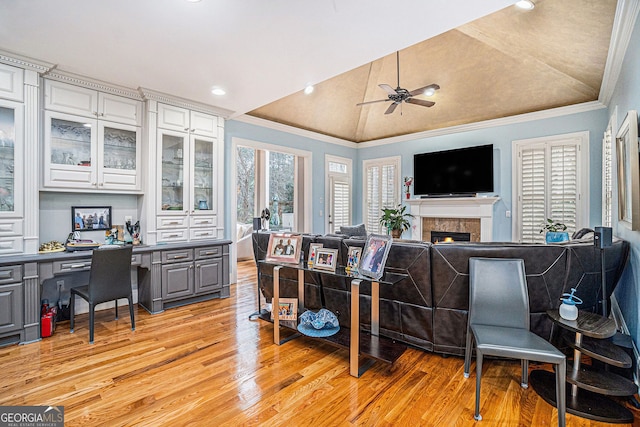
[(460, 172)]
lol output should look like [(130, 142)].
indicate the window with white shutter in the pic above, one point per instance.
[(338, 193), (381, 184), (607, 178), (551, 182)]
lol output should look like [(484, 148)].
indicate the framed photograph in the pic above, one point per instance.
[(287, 309), (374, 256), (284, 247), (313, 249), (89, 218), (326, 259), (353, 258), (628, 171)]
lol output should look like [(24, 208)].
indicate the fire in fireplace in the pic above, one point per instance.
[(449, 236)]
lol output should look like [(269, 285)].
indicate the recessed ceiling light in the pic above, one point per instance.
[(525, 4), (308, 90), (429, 92), (193, 1), (218, 91)]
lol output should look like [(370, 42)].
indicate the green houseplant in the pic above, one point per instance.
[(555, 231), (396, 220)]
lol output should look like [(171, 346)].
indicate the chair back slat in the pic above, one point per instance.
[(110, 276), (498, 292)]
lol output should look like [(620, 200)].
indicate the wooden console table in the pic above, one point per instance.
[(372, 346), (590, 401)]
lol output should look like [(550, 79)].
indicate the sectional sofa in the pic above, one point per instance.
[(428, 309)]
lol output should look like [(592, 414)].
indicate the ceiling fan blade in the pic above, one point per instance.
[(387, 88), (422, 89), (421, 102), (372, 102), (391, 108)]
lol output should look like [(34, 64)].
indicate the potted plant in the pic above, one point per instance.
[(396, 220), (555, 231)]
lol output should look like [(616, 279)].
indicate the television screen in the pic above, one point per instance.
[(463, 171)]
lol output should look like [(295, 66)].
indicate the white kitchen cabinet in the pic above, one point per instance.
[(187, 176), (66, 98), (183, 120), (11, 176), (11, 83), (83, 153)]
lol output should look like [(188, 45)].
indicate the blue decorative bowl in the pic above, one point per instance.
[(556, 236)]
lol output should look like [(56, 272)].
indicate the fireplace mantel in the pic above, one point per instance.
[(454, 207)]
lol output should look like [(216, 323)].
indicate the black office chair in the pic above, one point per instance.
[(109, 280), (499, 324)]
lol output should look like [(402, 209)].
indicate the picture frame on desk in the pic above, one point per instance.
[(374, 256), (287, 309), (284, 247), (326, 259), (89, 218)]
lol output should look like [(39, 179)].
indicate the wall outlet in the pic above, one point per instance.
[(128, 218), (507, 214)]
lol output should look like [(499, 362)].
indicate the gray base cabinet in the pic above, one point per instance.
[(11, 304)]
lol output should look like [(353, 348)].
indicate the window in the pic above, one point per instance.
[(338, 192), (607, 177), (381, 188), (273, 177), (551, 182)]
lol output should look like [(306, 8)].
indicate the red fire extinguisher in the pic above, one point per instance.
[(47, 319)]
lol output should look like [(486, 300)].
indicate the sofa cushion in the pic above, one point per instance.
[(353, 230)]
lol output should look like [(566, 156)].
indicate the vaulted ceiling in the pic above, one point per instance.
[(507, 63), (490, 59)]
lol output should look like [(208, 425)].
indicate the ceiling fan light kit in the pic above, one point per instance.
[(400, 95)]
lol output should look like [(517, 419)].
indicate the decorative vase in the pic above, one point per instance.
[(396, 233), (556, 236), (202, 205), (408, 195)]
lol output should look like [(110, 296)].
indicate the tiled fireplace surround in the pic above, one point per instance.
[(472, 215)]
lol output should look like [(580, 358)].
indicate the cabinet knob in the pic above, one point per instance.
[(94, 183), (193, 130), (191, 266), (186, 129)]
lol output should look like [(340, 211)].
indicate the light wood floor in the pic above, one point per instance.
[(206, 364)]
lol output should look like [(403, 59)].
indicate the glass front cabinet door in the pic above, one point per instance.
[(11, 179), (204, 161), (82, 153), (173, 157)]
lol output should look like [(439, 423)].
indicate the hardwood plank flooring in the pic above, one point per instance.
[(206, 364)]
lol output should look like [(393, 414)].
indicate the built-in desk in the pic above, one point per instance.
[(167, 274)]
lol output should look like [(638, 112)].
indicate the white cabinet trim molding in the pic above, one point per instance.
[(149, 94), (77, 80)]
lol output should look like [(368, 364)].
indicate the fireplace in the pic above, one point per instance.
[(449, 236), (473, 215)]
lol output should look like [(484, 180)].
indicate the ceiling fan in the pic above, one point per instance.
[(400, 95)]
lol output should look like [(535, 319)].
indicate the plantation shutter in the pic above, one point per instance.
[(341, 196), (373, 199), (382, 190), (564, 186), (607, 179), (532, 193), (548, 185)]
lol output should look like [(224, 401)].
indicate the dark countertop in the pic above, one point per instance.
[(57, 256)]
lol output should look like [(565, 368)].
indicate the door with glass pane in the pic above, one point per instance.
[(203, 176), (281, 178), (119, 156), (10, 159), (70, 151), (173, 157)]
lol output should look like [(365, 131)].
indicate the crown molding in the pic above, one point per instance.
[(89, 83), (245, 118), (150, 94), (521, 118), (623, 23), (20, 61)]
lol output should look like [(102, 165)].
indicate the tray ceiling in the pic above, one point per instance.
[(507, 63)]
